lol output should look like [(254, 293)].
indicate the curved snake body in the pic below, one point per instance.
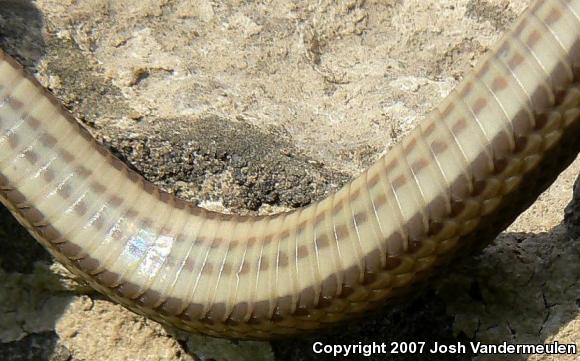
[(480, 158)]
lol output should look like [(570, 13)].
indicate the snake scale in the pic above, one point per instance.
[(478, 160)]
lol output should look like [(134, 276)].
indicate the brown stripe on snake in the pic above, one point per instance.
[(452, 184)]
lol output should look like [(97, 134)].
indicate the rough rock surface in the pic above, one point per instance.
[(253, 107)]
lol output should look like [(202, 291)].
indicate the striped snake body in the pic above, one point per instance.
[(477, 161)]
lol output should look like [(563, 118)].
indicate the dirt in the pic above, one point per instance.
[(259, 107)]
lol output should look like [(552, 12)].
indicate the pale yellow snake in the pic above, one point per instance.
[(478, 160)]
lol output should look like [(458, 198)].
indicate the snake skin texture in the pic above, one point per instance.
[(477, 161)]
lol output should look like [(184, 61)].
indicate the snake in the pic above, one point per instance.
[(450, 186)]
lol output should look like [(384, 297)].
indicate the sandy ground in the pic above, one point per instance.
[(260, 107)]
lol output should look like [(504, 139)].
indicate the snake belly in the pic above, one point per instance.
[(478, 160)]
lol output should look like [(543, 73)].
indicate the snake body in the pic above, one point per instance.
[(478, 160)]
